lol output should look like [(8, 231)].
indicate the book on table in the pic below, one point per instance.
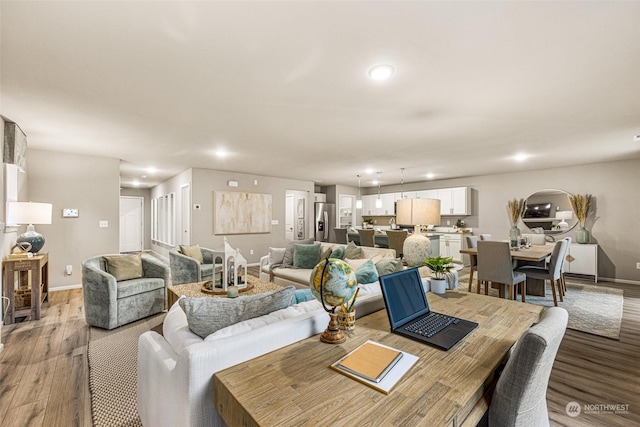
[(375, 365)]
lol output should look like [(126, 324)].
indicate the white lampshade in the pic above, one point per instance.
[(28, 213)]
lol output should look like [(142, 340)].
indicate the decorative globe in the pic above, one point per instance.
[(339, 282)]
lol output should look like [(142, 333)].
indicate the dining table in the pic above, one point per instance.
[(533, 255)]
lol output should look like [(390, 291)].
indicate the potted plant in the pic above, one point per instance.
[(440, 266), (367, 223)]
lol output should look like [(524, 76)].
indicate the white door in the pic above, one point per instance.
[(289, 215), (131, 210), (185, 217)]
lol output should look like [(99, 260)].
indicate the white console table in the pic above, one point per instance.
[(584, 260)]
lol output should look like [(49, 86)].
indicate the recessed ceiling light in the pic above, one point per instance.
[(520, 157), (430, 175), (381, 72), (221, 153), (151, 169), (135, 183), (369, 171)]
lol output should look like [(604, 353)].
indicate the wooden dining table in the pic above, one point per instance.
[(534, 255)]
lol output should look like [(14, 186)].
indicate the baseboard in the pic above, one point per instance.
[(625, 281), (65, 288)]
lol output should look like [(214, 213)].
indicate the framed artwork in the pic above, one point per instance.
[(300, 228), (300, 208), (237, 212)]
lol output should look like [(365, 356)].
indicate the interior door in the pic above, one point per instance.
[(185, 217), (289, 216), (131, 223)]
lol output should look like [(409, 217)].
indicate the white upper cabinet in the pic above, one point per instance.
[(369, 204), (455, 201), (388, 204), (319, 197)]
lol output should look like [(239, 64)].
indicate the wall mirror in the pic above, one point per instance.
[(549, 212)]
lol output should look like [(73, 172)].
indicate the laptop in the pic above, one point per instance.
[(409, 314)]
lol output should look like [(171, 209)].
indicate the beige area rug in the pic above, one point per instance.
[(593, 309), (113, 361)]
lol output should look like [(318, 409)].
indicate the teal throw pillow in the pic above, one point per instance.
[(306, 256), (207, 315), (352, 251), (367, 273), (388, 266), (287, 260), (303, 295), (338, 253)]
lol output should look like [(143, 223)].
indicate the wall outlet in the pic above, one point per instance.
[(104, 224), (68, 270), (448, 222), (251, 252)]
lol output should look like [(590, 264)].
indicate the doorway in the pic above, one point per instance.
[(185, 217), (131, 223)]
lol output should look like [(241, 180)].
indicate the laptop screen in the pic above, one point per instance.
[(404, 296)]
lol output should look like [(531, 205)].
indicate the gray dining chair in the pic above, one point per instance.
[(366, 237), (472, 242), (520, 396), (396, 240), (551, 271), (495, 265), (341, 235), (486, 237)]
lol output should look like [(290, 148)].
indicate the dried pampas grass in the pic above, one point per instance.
[(515, 209), (581, 204)]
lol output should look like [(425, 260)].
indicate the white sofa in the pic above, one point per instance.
[(300, 277), (175, 370)]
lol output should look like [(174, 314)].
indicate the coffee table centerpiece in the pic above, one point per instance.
[(333, 283)]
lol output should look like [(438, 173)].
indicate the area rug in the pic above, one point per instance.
[(113, 361), (593, 309)]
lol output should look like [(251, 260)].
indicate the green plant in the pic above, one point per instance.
[(439, 265)]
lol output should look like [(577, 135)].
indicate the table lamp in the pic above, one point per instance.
[(333, 283), (417, 212), (29, 213), (563, 215)]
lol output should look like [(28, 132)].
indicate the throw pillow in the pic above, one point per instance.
[(124, 267), (338, 252), (192, 252), (352, 251), (306, 256), (276, 255), (326, 253), (207, 315), (303, 295), (367, 273), (288, 254), (388, 266)]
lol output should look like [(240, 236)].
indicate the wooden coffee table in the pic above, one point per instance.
[(194, 290)]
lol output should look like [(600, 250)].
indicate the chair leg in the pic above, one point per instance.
[(553, 290), (560, 293), (471, 281), (523, 289)]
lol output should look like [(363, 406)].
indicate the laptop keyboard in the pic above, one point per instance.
[(431, 324)]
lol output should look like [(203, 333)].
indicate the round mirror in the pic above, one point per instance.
[(549, 212)]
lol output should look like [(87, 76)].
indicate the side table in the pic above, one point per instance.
[(33, 281)]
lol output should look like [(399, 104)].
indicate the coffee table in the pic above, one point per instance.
[(194, 290)]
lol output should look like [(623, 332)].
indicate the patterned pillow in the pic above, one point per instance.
[(192, 252), (206, 315), (124, 267)]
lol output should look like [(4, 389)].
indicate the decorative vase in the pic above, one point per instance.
[(438, 286), (514, 237), (582, 235)]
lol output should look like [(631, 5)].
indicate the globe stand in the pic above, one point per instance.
[(333, 334)]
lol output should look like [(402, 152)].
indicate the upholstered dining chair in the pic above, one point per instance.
[(552, 271), (366, 237), (472, 242), (520, 396), (486, 237), (495, 265), (396, 240), (341, 235)]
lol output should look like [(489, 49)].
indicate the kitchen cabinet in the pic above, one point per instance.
[(388, 204), (584, 260), (455, 201), (369, 204), (450, 245), (320, 197)]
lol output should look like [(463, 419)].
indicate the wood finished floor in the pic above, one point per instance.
[(44, 372)]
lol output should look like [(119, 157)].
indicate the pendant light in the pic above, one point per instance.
[(378, 200), (359, 199), (401, 183)]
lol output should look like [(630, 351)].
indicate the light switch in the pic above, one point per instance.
[(104, 224)]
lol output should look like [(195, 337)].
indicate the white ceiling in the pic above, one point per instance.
[(283, 86)]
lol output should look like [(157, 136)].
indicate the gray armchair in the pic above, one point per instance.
[(185, 269), (109, 303)]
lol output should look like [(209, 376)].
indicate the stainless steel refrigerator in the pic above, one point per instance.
[(325, 221)]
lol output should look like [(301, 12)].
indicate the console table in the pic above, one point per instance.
[(295, 386), (33, 284)]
